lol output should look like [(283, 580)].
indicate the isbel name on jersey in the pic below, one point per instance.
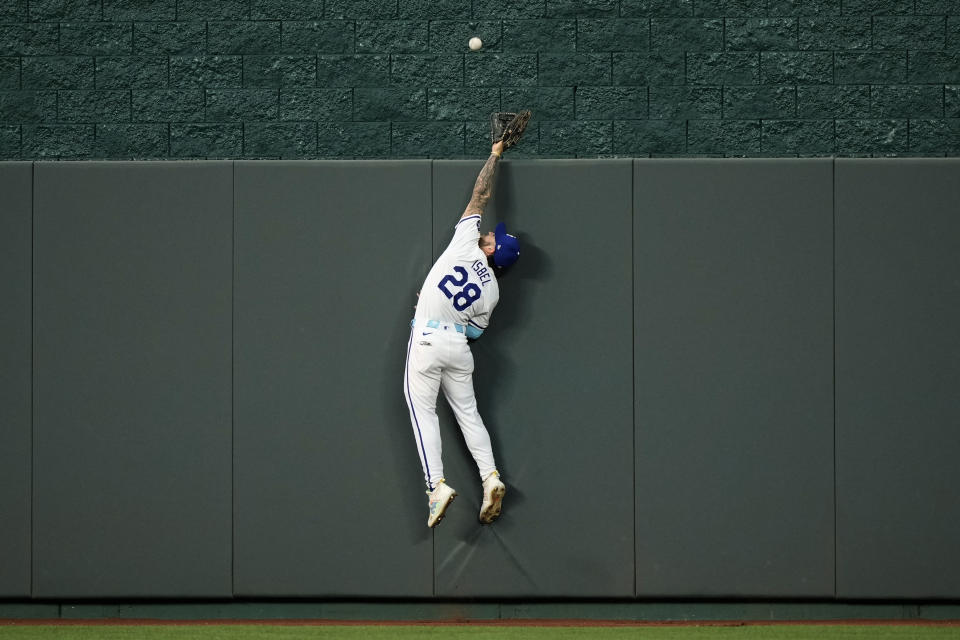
[(482, 271)]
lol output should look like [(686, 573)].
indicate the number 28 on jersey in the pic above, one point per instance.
[(468, 292)]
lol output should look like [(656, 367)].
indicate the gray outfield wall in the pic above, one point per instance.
[(705, 378)]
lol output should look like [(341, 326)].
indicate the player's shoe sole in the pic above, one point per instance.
[(438, 508), (491, 511), (441, 513)]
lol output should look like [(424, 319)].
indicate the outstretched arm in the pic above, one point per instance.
[(484, 185)]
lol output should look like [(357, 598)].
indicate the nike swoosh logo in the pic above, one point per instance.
[(428, 334)]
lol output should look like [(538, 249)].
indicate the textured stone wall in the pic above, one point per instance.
[(84, 79)]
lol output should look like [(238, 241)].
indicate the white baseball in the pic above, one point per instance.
[(475, 43)]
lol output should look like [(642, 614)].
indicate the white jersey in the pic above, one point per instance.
[(460, 287)]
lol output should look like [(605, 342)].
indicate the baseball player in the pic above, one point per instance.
[(455, 304)]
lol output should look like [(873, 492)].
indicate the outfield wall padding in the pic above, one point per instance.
[(733, 317), (553, 386), (326, 473), (15, 366), (132, 380), (705, 379), (898, 378)]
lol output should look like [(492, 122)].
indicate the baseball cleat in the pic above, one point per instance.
[(440, 498), (493, 491)]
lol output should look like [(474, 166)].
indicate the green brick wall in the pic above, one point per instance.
[(94, 79)]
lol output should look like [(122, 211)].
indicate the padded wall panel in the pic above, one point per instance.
[(15, 330), (553, 383), (132, 380), (898, 376), (734, 388), (328, 499)]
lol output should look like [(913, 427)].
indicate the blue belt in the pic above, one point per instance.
[(436, 324)]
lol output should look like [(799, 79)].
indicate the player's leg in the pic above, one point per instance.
[(457, 384), (458, 388), (421, 383)]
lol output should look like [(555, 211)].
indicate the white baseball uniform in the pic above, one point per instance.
[(455, 303)]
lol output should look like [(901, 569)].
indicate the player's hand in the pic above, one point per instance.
[(497, 148)]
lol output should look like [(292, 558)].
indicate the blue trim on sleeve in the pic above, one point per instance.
[(465, 219)]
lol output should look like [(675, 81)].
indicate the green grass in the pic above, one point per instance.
[(324, 632)]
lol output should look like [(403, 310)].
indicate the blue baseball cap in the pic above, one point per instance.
[(508, 247)]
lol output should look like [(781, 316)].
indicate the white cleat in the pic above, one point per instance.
[(440, 498), (493, 491)]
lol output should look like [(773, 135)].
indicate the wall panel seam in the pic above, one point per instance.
[(633, 344), (433, 222), (33, 206), (833, 208), (233, 377)]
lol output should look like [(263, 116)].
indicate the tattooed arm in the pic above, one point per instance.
[(484, 185)]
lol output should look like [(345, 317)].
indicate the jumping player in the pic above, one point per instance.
[(455, 304)]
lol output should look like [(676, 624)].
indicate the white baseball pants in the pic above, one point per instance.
[(440, 358)]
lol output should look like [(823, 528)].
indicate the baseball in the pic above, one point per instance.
[(475, 43)]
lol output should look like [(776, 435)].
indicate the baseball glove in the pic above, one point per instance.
[(508, 127)]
